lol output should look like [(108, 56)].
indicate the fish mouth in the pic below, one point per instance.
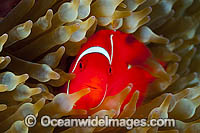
[(92, 87)]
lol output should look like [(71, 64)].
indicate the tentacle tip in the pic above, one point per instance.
[(54, 75), (36, 91), (150, 9), (3, 38), (50, 11), (28, 25), (88, 90), (77, 25), (137, 92), (93, 17), (24, 77), (49, 14), (62, 48), (40, 103), (130, 86)]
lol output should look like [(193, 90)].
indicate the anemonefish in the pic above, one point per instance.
[(106, 64)]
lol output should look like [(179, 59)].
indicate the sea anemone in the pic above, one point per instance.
[(39, 37)]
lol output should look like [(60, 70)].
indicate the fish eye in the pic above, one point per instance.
[(81, 65), (110, 70)]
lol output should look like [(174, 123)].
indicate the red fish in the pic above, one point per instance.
[(106, 64)]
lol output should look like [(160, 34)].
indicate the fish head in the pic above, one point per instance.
[(92, 69)]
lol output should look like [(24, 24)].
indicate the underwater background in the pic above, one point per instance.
[(40, 38)]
